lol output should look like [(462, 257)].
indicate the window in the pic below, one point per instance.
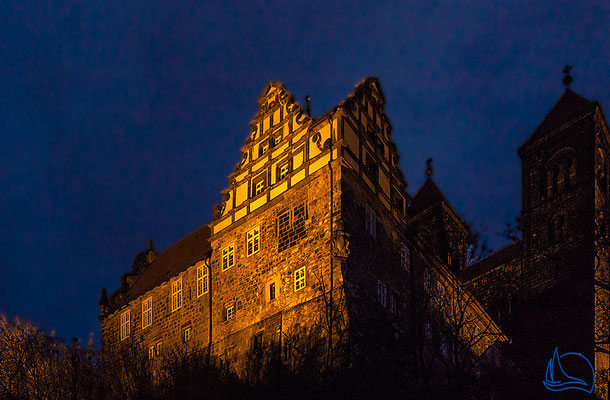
[(125, 325), (382, 293), (147, 312), (151, 352), (371, 221), (253, 241), (176, 294), (258, 184), (405, 257), (228, 257), (263, 148), (282, 171), (277, 140), (159, 346), (291, 227), (393, 308), (272, 291), (187, 335), (258, 187), (202, 280), (428, 331), (299, 279), (230, 312), (427, 279)]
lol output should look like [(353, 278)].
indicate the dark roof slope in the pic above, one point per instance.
[(497, 259), (567, 108), (177, 258), (429, 195)]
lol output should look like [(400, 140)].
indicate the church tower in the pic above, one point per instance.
[(564, 201)]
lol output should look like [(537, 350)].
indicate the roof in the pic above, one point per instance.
[(177, 258), (429, 195), (570, 106), (499, 258)]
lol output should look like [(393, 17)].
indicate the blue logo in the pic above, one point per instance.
[(557, 380)]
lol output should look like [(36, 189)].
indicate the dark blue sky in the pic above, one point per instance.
[(120, 120)]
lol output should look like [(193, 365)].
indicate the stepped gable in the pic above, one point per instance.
[(177, 258), (570, 107)]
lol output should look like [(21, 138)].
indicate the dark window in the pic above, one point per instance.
[(272, 291)]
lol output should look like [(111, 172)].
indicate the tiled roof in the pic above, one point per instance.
[(177, 258), (569, 106), (499, 258)]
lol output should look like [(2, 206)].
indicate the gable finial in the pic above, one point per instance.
[(429, 169), (307, 100), (567, 79)]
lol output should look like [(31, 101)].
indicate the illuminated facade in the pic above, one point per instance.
[(315, 230)]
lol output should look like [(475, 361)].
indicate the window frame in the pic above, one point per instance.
[(382, 293), (272, 291), (125, 324), (151, 352), (229, 255), (255, 239), (176, 295), (370, 222), (147, 312), (405, 257), (187, 334), (230, 312), (203, 283), (298, 278)]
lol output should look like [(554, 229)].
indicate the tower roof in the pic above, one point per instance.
[(429, 195), (569, 107)]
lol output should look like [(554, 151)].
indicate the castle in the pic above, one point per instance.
[(316, 233)]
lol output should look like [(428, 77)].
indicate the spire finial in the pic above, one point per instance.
[(429, 169), (307, 100), (150, 244), (567, 79)]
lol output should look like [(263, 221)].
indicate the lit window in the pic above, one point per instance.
[(258, 187), (202, 281), (147, 312), (228, 257), (371, 221), (405, 257), (272, 291), (230, 312), (299, 279), (187, 335), (159, 346), (253, 241), (263, 148), (382, 293), (283, 171), (176, 294), (151, 352), (125, 325)]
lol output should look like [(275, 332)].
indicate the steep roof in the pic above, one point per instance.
[(570, 106), (429, 195), (177, 258), (497, 259)]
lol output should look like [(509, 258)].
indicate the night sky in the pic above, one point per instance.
[(121, 120)]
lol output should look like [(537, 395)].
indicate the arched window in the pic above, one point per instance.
[(561, 171)]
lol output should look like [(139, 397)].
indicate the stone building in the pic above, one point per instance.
[(316, 233)]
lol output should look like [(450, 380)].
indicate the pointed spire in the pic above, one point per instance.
[(567, 79), (429, 170), (150, 244)]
